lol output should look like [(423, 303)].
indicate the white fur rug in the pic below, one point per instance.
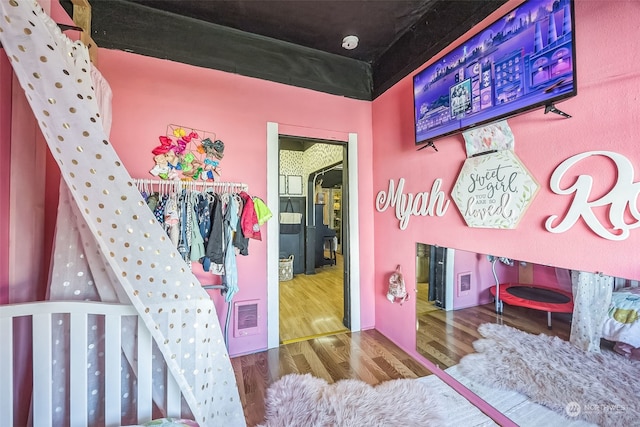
[(599, 388), (304, 400)]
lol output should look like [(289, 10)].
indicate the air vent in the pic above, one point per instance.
[(246, 318)]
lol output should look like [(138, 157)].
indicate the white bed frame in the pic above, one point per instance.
[(42, 403)]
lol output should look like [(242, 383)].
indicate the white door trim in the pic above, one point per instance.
[(273, 201), (354, 232), (273, 230)]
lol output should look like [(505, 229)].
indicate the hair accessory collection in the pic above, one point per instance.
[(187, 154)]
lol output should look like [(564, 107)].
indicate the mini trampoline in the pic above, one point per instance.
[(537, 297)]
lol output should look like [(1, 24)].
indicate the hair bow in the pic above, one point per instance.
[(189, 137), (179, 132), (180, 147), (210, 162), (166, 144)]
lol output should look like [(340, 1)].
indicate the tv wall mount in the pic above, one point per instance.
[(428, 144), (552, 109)]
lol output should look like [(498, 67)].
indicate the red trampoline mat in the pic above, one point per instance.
[(536, 297)]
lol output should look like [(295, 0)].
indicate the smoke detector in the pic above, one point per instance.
[(350, 42)]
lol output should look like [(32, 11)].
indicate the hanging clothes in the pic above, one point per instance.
[(249, 220), (158, 211), (172, 219), (203, 212), (209, 227), (230, 278), (215, 245), (197, 251), (263, 213), (152, 200), (239, 240), (184, 242)]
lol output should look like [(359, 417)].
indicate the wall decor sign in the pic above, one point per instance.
[(620, 203), (494, 136), (494, 190), (434, 203)]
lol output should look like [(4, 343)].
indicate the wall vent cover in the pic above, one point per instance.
[(246, 318)]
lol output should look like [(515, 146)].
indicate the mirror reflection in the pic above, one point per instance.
[(456, 293)]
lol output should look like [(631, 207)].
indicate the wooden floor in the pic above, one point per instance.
[(367, 356), (444, 337), (423, 305), (312, 305), (315, 340)]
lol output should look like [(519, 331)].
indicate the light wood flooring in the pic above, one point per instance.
[(311, 311), (366, 355), (312, 305), (444, 337), (423, 305)]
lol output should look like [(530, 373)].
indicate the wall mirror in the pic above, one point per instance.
[(454, 297)]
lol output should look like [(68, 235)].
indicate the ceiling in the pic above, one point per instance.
[(291, 42)]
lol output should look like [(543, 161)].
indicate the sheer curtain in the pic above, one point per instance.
[(591, 299), (134, 259)]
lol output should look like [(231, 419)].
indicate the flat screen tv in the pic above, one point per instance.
[(523, 61)]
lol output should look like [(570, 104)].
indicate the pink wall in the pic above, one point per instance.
[(605, 116), (149, 94), (5, 172), (481, 278), (551, 276)]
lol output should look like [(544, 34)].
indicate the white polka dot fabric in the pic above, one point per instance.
[(76, 258), (144, 265), (591, 299)]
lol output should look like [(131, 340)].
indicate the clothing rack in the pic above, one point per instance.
[(220, 186), (228, 316)]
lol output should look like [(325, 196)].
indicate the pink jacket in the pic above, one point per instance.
[(249, 218)]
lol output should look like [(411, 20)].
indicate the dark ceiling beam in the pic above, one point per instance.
[(127, 26), (443, 24)]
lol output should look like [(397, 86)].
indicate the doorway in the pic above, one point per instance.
[(431, 278), (312, 280), (350, 247)]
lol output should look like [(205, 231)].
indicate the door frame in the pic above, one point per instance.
[(449, 265), (352, 233)]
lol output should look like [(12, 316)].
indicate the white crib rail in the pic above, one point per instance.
[(42, 404)]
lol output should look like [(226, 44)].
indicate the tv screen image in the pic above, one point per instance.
[(523, 61)]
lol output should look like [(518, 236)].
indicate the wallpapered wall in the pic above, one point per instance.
[(291, 163), (320, 156), (303, 163)]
